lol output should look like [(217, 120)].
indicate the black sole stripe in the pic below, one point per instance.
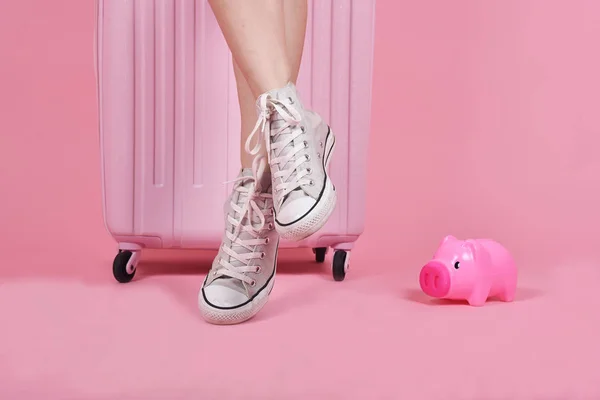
[(324, 184), (256, 294)]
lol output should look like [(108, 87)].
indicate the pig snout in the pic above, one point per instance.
[(435, 279)]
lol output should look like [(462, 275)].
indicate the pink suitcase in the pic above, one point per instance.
[(165, 86)]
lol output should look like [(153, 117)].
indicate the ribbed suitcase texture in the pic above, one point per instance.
[(170, 126)]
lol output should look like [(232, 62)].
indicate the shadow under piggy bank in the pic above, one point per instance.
[(417, 296)]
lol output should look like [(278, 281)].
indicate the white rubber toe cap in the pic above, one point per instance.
[(294, 209), (221, 294)]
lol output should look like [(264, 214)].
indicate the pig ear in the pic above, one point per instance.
[(472, 247), (449, 239)]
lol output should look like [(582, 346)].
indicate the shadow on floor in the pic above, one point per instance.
[(417, 296)]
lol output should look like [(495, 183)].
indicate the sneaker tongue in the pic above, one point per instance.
[(284, 95), (276, 124), (240, 199), (264, 180)]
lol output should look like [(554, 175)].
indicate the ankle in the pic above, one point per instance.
[(279, 78)]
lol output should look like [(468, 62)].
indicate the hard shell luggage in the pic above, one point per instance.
[(170, 125)]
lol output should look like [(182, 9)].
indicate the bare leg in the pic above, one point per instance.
[(248, 113), (254, 31), (295, 14)]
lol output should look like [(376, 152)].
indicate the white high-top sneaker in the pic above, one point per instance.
[(299, 147), (243, 272)]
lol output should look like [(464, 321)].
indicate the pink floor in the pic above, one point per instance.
[(485, 124), (77, 334)]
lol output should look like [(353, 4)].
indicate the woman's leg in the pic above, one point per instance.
[(295, 13), (255, 33), (248, 114)]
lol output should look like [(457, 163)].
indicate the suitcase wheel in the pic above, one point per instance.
[(341, 264), (124, 266), (320, 253)]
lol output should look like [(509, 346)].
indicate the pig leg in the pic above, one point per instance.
[(479, 296), (507, 296), (510, 285), (508, 292)]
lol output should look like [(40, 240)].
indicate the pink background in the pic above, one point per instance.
[(485, 123)]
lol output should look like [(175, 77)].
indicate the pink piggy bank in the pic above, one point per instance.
[(472, 270)]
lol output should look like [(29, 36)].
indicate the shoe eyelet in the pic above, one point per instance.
[(303, 129), (262, 255), (319, 155), (270, 226), (305, 144), (291, 100), (321, 144), (215, 273), (253, 283), (309, 171), (307, 156), (266, 240), (258, 269), (312, 183)]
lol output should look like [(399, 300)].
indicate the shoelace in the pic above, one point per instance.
[(286, 162), (247, 213)]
